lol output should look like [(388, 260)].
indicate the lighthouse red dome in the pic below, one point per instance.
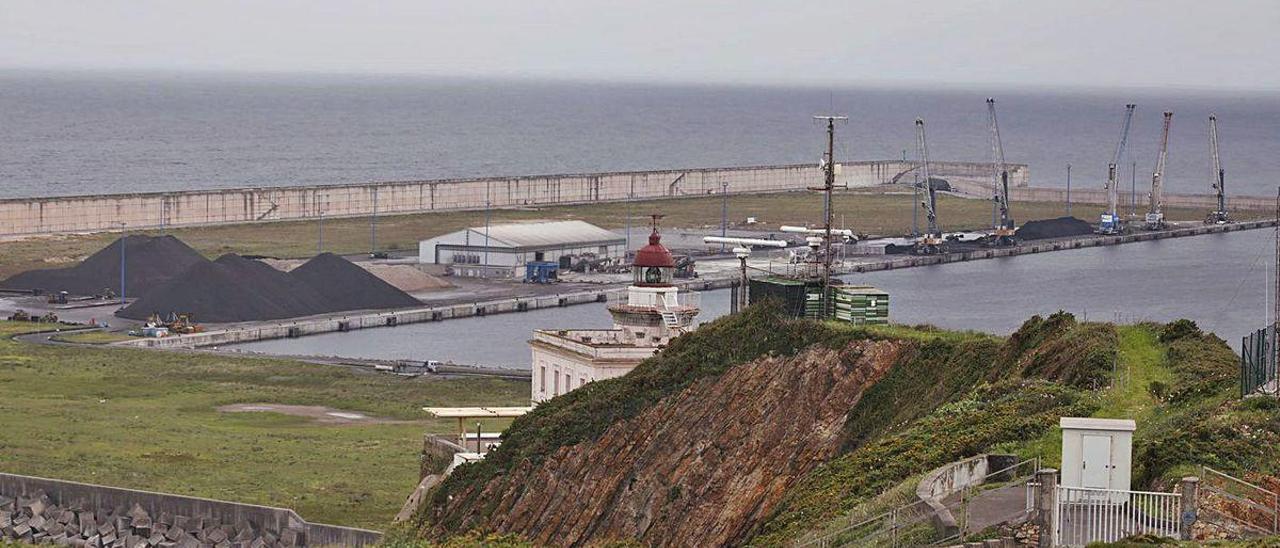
[(654, 254)]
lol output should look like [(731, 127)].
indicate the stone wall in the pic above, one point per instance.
[(101, 501), (21, 216)]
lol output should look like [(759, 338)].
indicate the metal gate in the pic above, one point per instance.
[(1258, 362), (1082, 515), (1240, 506)]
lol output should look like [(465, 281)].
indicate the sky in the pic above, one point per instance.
[(1210, 44)]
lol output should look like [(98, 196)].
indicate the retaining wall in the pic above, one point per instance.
[(20, 216), (103, 498)]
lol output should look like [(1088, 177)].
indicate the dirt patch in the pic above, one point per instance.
[(317, 413), (407, 277)]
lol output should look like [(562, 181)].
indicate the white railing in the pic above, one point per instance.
[(1083, 515), (684, 298)]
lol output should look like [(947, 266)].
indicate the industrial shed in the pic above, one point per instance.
[(502, 250)]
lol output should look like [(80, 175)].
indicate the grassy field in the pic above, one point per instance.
[(147, 420), (865, 212)]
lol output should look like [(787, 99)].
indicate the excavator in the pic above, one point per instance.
[(1109, 222), (931, 242), (1002, 222)]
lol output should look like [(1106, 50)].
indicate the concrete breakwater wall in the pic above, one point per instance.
[(392, 318), (1095, 195), (281, 523), (23, 216), (313, 326)]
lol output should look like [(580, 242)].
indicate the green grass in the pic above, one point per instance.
[(1142, 362), (147, 420), (92, 337)]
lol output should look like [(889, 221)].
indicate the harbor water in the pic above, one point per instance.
[(1218, 280)]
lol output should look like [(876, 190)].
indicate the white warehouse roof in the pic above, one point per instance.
[(542, 234)]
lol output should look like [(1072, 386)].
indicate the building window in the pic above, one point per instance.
[(556, 382), (604, 250), (542, 380)]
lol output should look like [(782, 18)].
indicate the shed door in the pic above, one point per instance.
[(1096, 471)]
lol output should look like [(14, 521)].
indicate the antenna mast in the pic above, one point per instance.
[(829, 184)]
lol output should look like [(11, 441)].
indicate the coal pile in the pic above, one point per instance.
[(1062, 227), (38, 520), (349, 287), (236, 289), (150, 261)]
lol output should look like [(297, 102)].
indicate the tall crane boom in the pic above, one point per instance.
[(1219, 178), (931, 204), (1001, 221), (931, 242), (1155, 214), (1109, 223)]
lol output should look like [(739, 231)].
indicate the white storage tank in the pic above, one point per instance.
[(1097, 453)]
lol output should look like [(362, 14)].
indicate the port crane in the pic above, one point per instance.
[(1001, 221), (1109, 222), (1219, 176), (1155, 213), (931, 242)]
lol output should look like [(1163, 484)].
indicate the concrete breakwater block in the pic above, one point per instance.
[(39, 519)]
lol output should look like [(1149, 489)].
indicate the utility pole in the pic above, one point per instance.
[(123, 238), (487, 211), (373, 225), (1068, 189), (320, 226), (829, 183), (631, 193), (724, 212)]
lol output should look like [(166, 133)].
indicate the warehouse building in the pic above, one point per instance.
[(502, 250)]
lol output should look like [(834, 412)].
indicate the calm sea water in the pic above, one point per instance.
[(76, 134), (1218, 280)]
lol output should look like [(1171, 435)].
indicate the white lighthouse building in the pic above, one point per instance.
[(653, 312)]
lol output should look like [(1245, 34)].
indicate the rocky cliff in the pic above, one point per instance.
[(699, 468)]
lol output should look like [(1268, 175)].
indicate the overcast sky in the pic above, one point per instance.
[(1159, 43)]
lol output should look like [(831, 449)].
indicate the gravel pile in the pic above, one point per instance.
[(235, 289), (38, 520), (1061, 227), (150, 261)]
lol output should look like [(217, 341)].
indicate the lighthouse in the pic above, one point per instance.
[(651, 313)]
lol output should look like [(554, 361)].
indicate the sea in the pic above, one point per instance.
[(67, 133)]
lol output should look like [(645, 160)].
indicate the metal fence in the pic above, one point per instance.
[(1245, 508), (1083, 515), (1258, 362)]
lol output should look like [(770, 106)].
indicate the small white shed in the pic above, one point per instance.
[(1097, 453)]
